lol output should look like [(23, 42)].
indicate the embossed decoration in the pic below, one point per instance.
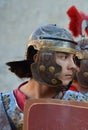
[(54, 81), (52, 69), (85, 74), (6, 101), (42, 68)]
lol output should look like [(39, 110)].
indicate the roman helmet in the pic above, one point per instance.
[(44, 42), (48, 40)]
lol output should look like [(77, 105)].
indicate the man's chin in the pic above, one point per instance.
[(66, 83)]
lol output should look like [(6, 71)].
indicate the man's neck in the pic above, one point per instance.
[(34, 89)]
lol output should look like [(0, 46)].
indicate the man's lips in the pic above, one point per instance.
[(69, 75)]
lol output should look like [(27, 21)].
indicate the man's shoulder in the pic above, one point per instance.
[(75, 96), (8, 99), (6, 95)]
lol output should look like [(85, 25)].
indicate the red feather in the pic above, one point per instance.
[(76, 18)]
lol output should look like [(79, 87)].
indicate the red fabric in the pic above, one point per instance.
[(73, 88), (20, 97)]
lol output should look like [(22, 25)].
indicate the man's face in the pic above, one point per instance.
[(65, 60)]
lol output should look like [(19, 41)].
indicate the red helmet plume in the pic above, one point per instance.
[(76, 21)]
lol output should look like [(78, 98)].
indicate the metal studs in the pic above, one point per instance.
[(51, 69), (54, 81), (42, 68), (85, 74)]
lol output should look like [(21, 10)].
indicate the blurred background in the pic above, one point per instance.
[(18, 18)]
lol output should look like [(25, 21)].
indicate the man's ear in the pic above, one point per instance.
[(35, 57)]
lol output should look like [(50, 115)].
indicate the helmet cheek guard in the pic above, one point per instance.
[(45, 70), (82, 75)]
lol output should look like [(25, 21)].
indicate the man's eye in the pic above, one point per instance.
[(63, 57)]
